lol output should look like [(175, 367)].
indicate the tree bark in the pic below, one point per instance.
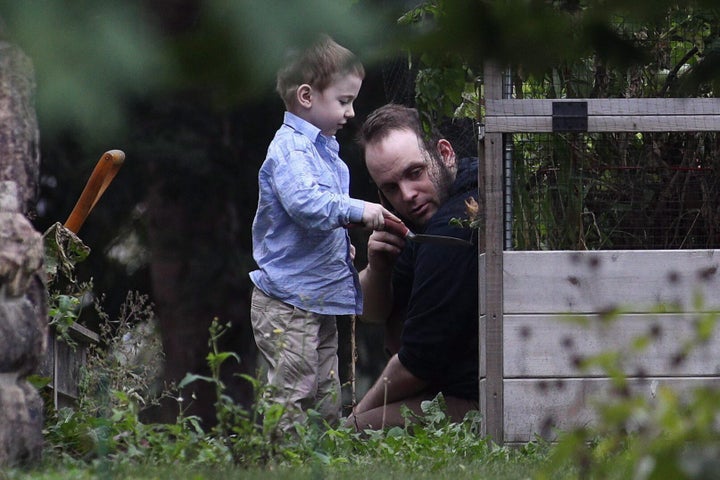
[(23, 295)]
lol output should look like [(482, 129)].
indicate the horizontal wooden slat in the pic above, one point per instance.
[(677, 123), (608, 115), (554, 346), (541, 407), (597, 281), (607, 106)]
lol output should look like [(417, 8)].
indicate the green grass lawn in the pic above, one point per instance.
[(498, 469)]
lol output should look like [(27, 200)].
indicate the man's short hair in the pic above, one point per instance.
[(317, 66), (392, 117)]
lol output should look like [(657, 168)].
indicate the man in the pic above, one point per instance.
[(428, 292)]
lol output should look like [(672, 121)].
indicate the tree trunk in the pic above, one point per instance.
[(198, 263), (23, 298)]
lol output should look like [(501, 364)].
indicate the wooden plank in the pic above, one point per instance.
[(597, 124), (599, 281), (554, 346), (482, 316), (541, 407), (607, 114), (607, 106), (482, 275), (490, 182)]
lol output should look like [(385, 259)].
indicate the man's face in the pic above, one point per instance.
[(413, 182)]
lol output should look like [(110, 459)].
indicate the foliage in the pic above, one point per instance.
[(670, 433), (445, 83), (63, 250), (622, 190), (105, 431), (599, 190), (107, 53)]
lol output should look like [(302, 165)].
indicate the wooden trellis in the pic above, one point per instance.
[(529, 346)]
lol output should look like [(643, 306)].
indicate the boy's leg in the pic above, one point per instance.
[(329, 400), (287, 338)]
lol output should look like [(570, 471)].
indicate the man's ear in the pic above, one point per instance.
[(446, 151), (304, 95)]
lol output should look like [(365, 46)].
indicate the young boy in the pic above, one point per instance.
[(306, 275)]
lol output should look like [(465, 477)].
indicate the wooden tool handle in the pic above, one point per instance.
[(396, 227), (105, 170)]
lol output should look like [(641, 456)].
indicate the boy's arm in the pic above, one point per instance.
[(310, 197)]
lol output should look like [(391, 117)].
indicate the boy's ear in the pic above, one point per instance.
[(304, 95)]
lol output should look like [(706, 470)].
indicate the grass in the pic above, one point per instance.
[(674, 435), (500, 469)]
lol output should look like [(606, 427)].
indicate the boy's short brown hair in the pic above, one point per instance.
[(316, 66)]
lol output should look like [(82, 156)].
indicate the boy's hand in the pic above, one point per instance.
[(374, 215)]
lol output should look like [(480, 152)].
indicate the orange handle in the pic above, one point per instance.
[(105, 170), (397, 227)]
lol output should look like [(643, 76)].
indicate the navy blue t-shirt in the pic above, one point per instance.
[(439, 286)]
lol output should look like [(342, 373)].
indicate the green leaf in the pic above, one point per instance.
[(191, 377)]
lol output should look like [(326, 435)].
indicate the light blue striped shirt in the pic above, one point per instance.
[(299, 243)]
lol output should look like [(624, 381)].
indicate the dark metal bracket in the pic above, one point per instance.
[(569, 117)]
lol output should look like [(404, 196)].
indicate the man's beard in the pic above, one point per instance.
[(443, 178)]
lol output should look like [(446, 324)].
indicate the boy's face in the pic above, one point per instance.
[(331, 108)]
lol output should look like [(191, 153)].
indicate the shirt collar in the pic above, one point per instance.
[(302, 126), (310, 131)]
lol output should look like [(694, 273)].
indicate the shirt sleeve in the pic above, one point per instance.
[(311, 194), (356, 210)]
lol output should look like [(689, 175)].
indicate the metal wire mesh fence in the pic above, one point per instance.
[(615, 191)]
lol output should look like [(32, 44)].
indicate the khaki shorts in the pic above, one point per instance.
[(300, 348)]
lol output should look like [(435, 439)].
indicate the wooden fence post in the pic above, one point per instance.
[(490, 181)]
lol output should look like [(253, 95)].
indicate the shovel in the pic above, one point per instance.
[(401, 230), (105, 170), (63, 248)]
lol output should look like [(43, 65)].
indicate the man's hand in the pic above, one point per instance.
[(376, 278), (383, 250)]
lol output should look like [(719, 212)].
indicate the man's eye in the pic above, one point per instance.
[(415, 173)]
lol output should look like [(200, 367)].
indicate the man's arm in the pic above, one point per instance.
[(376, 278), (377, 295), (395, 383)]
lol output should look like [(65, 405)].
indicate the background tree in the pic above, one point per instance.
[(185, 88)]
